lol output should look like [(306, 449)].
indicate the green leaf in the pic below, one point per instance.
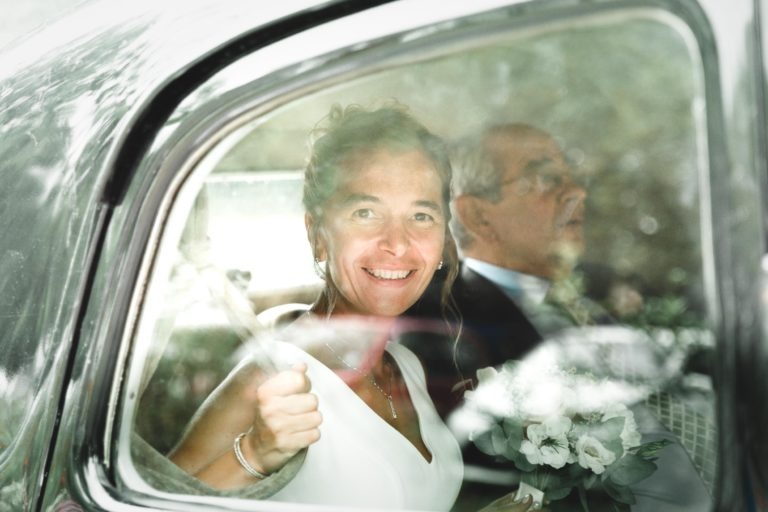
[(491, 441), (514, 431), (620, 493), (583, 499), (498, 440), (558, 494), (590, 481), (577, 473), (649, 450), (483, 442), (520, 461), (629, 470), (609, 434), (557, 482)]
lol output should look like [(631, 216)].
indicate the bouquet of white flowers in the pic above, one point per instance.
[(565, 432)]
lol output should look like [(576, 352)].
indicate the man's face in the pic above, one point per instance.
[(537, 226)]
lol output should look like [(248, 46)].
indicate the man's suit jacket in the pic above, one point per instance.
[(494, 330)]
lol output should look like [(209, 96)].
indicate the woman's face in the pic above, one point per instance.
[(383, 232)]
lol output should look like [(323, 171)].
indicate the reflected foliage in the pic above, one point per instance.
[(193, 364), (56, 122)]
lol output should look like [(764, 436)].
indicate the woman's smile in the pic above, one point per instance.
[(389, 275)]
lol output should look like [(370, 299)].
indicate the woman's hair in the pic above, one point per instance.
[(346, 135)]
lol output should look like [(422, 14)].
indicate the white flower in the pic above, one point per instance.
[(494, 394), (487, 374), (593, 455), (548, 397), (630, 437), (547, 442)]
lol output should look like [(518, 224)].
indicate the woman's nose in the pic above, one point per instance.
[(394, 239)]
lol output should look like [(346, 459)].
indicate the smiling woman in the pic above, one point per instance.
[(382, 249), (369, 239), (376, 195)]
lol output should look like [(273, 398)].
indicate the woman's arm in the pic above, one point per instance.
[(279, 414)]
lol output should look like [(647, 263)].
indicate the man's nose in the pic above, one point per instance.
[(394, 238), (575, 191)]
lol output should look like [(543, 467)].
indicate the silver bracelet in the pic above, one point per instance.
[(241, 459)]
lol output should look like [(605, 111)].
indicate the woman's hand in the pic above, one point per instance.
[(279, 413), (507, 503), (287, 420)]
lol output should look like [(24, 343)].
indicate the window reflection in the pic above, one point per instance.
[(620, 340)]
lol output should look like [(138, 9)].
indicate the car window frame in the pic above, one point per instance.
[(212, 123)]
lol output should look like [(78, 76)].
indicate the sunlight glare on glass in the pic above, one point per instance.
[(256, 225)]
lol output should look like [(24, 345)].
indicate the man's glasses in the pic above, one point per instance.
[(543, 182)]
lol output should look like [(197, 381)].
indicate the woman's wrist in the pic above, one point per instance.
[(242, 452)]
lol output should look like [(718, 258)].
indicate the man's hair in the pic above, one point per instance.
[(474, 174)]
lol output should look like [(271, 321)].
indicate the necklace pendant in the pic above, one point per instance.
[(392, 407)]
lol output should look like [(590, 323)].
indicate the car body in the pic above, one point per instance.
[(114, 117)]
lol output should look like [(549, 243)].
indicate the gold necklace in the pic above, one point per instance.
[(370, 378)]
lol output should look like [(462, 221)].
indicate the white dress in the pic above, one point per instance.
[(362, 461)]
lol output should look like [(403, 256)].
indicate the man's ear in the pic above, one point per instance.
[(315, 238), (473, 213)]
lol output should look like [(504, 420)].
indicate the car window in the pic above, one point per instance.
[(613, 399)]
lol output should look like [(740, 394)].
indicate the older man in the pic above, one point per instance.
[(518, 221)]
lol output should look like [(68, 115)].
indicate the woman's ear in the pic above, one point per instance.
[(473, 215), (315, 238)]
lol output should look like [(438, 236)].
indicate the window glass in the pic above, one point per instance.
[(601, 386)]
